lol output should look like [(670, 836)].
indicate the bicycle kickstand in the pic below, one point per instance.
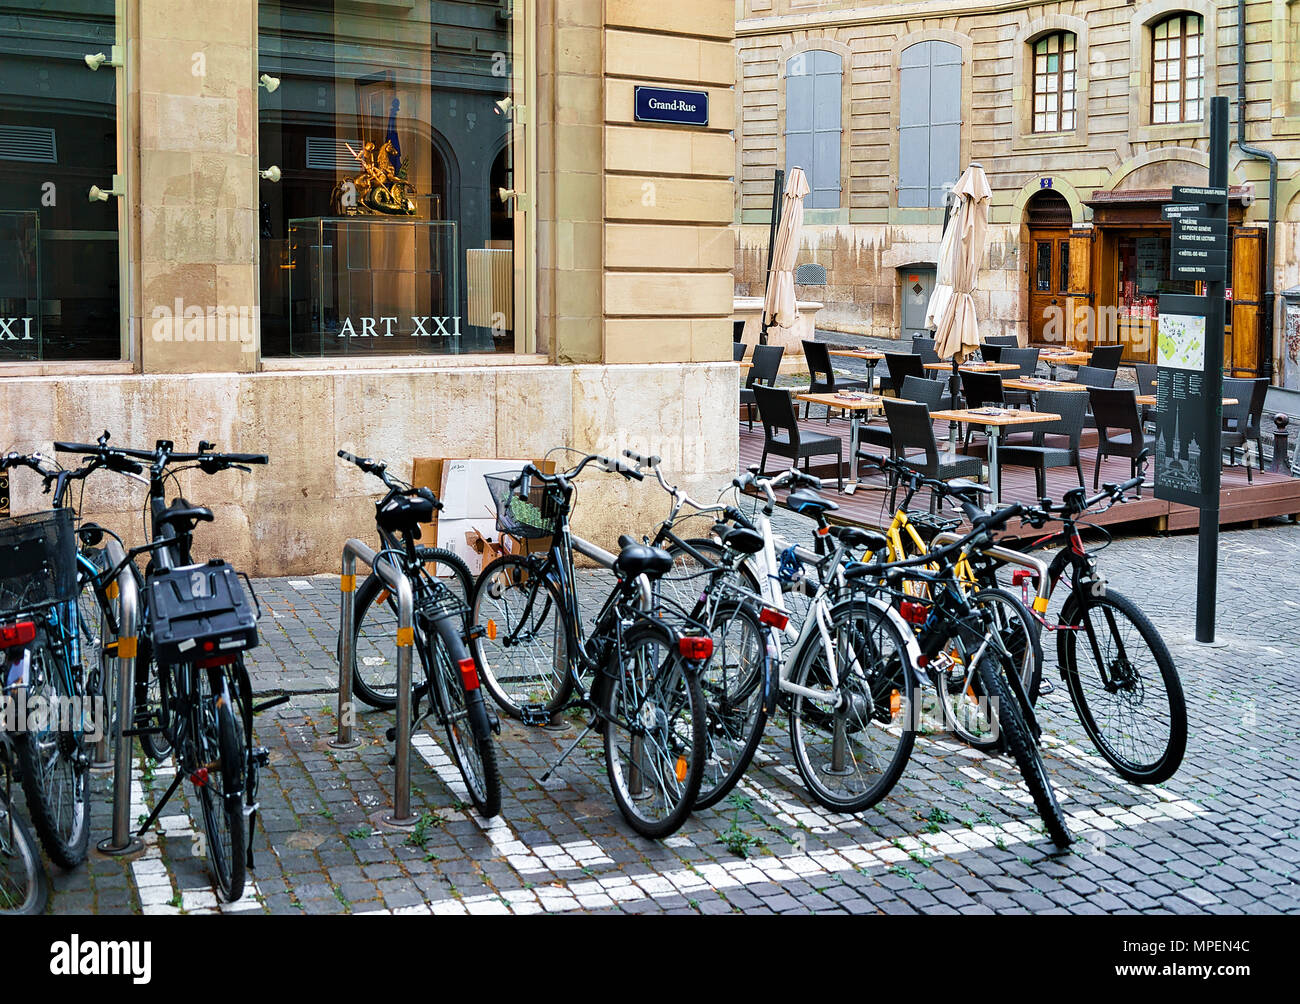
[(565, 755), (153, 816)]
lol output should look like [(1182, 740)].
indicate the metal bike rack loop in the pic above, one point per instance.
[(1032, 562), (123, 841), (394, 579)]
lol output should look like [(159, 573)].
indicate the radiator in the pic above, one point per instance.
[(491, 280)]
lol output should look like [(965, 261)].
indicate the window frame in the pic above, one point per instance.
[(812, 131), (1182, 79), (1060, 91)]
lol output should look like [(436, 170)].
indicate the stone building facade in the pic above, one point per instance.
[(1083, 114)]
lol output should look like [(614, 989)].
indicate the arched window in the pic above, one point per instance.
[(929, 130), (1177, 69), (813, 130), (1054, 82)]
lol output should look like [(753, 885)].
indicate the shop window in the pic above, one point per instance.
[(60, 292), (813, 130), (396, 225), (1054, 77), (929, 135), (1177, 69)]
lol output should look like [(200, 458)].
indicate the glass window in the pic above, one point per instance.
[(1043, 267), (393, 227), (1177, 69), (1063, 284), (59, 277), (813, 133), (929, 134), (1054, 70)]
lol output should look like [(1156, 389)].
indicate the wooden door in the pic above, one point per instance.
[(1080, 317), (1049, 279), (1242, 352)]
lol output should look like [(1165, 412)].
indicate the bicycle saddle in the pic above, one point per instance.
[(807, 502), (856, 536), (640, 559), (183, 516), (961, 486), (744, 540)]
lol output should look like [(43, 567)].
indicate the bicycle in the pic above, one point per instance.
[(24, 886), (441, 633), (642, 657), (197, 625)]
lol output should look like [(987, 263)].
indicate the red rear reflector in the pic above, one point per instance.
[(773, 618), (913, 612), (213, 661), (469, 673), (200, 777), (697, 647), (1022, 575), (22, 633)]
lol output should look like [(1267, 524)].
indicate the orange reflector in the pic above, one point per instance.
[(126, 647), (773, 618), (1040, 604), (680, 770), (469, 674), (895, 703), (110, 591), (348, 583), (383, 596), (492, 629), (405, 636)]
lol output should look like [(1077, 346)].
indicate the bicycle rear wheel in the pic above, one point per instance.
[(465, 716), (654, 732), (1125, 687), (523, 651), (24, 886), (220, 738), (1018, 741), (852, 744)]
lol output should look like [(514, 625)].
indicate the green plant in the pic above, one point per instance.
[(419, 835), (359, 832), (735, 837)]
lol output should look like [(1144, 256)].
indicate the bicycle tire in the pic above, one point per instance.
[(228, 863), (1152, 769), (688, 570), (465, 718), (506, 590), (374, 665), (878, 676), (29, 890), (154, 710), (1023, 749), (655, 683), (53, 763), (734, 684)]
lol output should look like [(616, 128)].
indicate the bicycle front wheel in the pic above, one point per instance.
[(852, 742), (24, 887), (1124, 686), (654, 731), (221, 796), (523, 650), (465, 715)]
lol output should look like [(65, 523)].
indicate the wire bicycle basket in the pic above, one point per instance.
[(38, 561), (530, 516)]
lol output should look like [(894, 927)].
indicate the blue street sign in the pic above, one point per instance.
[(663, 104)]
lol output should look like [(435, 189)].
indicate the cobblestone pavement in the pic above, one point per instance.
[(956, 835)]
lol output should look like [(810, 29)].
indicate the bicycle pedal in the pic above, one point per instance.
[(534, 714), (477, 631), (390, 734), (261, 756)]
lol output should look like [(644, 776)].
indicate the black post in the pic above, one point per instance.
[(1212, 449), (778, 205)]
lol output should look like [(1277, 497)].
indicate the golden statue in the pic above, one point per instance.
[(378, 189)]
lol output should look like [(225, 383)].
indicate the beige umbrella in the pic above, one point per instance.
[(952, 310), (779, 305)]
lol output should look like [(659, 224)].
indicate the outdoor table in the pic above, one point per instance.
[(1150, 400), (1055, 359), (1035, 384), (872, 359), (994, 420), (975, 367), (746, 364), (855, 404)]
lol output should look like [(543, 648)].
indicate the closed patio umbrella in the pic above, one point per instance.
[(952, 308), (779, 305)]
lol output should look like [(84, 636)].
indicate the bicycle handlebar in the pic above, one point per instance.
[(120, 458)]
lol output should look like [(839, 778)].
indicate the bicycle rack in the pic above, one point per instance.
[(1037, 565), (123, 841), (397, 582)]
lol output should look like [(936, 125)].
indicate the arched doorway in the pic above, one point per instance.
[(1048, 217)]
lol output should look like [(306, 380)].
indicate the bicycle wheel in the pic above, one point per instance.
[(1024, 750), (374, 667), (523, 652), (852, 744), (24, 887), (689, 576), (220, 747), (465, 716), (964, 714), (52, 757), (654, 731), (733, 685), (1124, 686)]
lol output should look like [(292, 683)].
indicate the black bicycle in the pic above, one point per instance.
[(440, 586)]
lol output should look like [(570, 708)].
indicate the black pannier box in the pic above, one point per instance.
[(199, 611)]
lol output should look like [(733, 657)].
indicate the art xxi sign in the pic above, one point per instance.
[(387, 327)]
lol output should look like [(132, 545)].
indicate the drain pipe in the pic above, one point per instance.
[(1256, 153)]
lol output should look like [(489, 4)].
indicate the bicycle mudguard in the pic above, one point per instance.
[(908, 633)]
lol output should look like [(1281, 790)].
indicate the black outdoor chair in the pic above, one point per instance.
[(767, 363), (1027, 360), (738, 350), (912, 430), (737, 330), (931, 393), (1146, 384), (1241, 420), (1091, 376), (981, 390), (821, 374), (923, 346), (1006, 341), (1106, 357), (1063, 448), (1119, 427), (990, 352), (782, 436), (900, 366)]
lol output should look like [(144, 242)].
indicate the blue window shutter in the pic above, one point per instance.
[(929, 142), (813, 126)]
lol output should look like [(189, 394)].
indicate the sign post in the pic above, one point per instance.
[(1189, 390)]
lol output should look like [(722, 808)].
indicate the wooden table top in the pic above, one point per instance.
[(1019, 383), (858, 354), (859, 402), (1010, 417), (1068, 358), (1150, 399), (745, 364), (975, 367)]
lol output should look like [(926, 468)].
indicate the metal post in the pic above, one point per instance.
[(1280, 444), (123, 841), (346, 649), (1212, 448)]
